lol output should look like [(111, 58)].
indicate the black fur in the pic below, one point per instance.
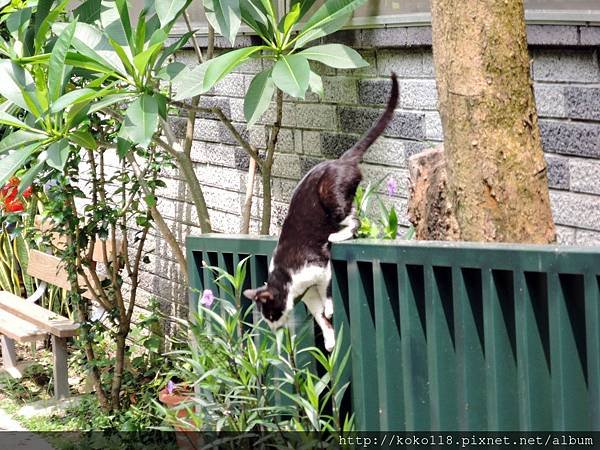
[(322, 200)]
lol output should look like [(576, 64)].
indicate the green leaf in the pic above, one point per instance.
[(224, 16), (29, 177), (141, 60), (42, 30), (12, 121), (168, 10), (171, 71), (114, 17), (258, 96), (57, 68), (123, 147), (17, 86), (256, 18), (218, 68), (328, 18), (58, 153), (69, 98), (173, 48), (291, 74), (91, 42), (88, 63), (18, 139), (335, 55), (108, 101), (14, 161), (83, 138), (315, 82), (290, 19), (189, 83), (305, 6), (141, 121)]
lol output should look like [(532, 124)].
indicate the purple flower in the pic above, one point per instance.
[(392, 186), (170, 387), (207, 298)]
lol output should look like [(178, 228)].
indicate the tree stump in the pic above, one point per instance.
[(429, 209)]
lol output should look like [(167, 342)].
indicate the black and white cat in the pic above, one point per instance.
[(320, 212)]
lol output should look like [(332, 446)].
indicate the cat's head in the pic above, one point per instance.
[(272, 304)]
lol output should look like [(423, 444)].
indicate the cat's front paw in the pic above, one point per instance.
[(329, 343)]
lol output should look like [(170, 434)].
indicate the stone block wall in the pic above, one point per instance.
[(566, 73)]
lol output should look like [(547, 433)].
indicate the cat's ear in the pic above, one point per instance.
[(261, 294)]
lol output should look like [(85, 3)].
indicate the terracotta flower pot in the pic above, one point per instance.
[(188, 437)]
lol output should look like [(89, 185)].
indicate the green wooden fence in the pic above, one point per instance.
[(455, 336)]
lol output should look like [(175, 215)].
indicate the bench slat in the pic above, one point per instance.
[(46, 320), (49, 268), (60, 241), (18, 329)]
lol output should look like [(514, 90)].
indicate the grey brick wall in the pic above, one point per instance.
[(566, 74)]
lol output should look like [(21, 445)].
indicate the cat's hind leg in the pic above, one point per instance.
[(315, 305)]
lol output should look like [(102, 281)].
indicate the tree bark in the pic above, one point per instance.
[(497, 180)]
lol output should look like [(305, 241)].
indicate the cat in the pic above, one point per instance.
[(321, 212)]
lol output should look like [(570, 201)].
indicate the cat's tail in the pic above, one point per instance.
[(358, 150)]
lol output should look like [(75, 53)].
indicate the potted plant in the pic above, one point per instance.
[(174, 396)]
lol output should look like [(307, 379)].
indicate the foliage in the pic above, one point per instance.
[(145, 373), (249, 379), (283, 43), (386, 225)]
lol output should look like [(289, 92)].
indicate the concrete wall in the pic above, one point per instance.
[(566, 73)]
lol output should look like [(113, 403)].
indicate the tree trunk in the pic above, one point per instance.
[(497, 181)]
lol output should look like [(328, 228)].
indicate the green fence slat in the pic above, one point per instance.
[(569, 393), (339, 289), (501, 371), (441, 361), (592, 316), (414, 358), (389, 356), (470, 366), (364, 359), (535, 392)]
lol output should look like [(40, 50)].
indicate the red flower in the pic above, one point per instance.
[(27, 192), (14, 206), (8, 196)]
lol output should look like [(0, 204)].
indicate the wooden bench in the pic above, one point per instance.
[(22, 320)]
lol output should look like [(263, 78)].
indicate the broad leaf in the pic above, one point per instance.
[(57, 68), (255, 17), (69, 98), (108, 101), (168, 10), (114, 17), (335, 55), (58, 153), (189, 83), (218, 68), (142, 59), (305, 6), (224, 16), (329, 18), (46, 23), (291, 74), (141, 121), (91, 42), (11, 121), (171, 71), (29, 177), (17, 86), (18, 139), (290, 19), (258, 96), (173, 48), (14, 161), (315, 82), (83, 138)]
